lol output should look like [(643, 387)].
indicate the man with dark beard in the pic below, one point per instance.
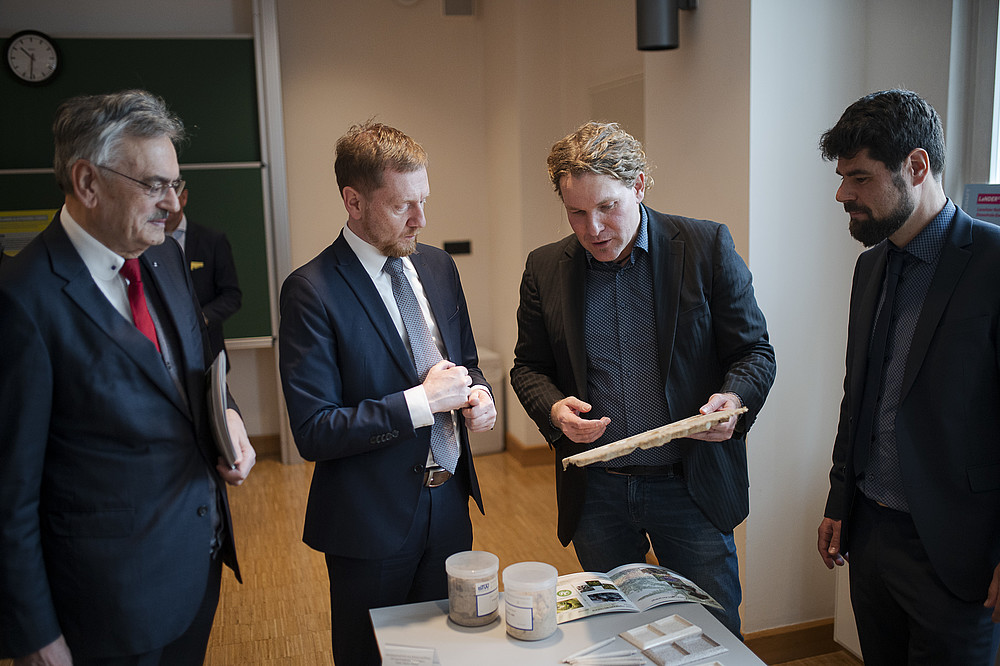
[(915, 483)]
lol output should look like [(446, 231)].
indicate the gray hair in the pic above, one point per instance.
[(93, 128)]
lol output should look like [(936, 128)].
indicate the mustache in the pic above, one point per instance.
[(854, 207), (159, 215)]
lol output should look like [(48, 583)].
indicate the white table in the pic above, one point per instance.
[(427, 625)]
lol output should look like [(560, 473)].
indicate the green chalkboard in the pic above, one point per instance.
[(230, 200), (211, 85)]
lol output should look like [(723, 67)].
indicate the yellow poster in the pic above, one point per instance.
[(18, 227)]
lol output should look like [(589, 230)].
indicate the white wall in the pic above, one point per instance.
[(410, 67), (516, 202), (807, 65), (697, 117), (545, 62)]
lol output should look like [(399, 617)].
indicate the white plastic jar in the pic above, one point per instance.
[(529, 592), (473, 591)]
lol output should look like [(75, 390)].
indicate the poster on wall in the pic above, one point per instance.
[(18, 227), (983, 202)]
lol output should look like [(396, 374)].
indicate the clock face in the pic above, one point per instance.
[(31, 56)]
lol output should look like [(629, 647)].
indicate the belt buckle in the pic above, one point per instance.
[(436, 477)]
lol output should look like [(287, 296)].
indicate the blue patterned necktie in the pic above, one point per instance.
[(444, 443)]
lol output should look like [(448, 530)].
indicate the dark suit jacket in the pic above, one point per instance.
[(713, 338), (106, 473), (948, 421), (344, 368), (213, 273)]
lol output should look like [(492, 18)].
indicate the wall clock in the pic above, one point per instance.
[(31, 57)]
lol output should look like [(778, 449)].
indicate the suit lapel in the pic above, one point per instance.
[(951, 265), (573, 282), (359, 282), (863, 323), (84, 292), (667, 256), (179, 313)]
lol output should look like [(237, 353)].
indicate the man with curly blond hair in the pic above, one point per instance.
[(635, 320)]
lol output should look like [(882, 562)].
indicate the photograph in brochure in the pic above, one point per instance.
[(630, 588)]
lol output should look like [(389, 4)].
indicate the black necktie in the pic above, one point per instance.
[(876, 363)]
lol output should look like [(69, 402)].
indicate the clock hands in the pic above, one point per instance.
[(31, 64)]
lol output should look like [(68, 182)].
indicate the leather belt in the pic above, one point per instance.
[(435, 476), (673, 469)]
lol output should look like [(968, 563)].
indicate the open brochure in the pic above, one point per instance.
[(629, 588)]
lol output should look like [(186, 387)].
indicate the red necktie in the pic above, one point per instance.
[(137, 301)]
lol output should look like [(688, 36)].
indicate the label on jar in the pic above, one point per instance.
[(487, 597), (519, 611)]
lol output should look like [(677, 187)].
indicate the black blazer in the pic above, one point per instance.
[(948, 419), (713, 338), (213, 273), (106, 472), (343, 369)]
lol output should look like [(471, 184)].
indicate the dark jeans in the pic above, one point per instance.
[(620, 512)]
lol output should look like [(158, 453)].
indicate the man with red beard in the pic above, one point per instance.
[(915, 485), (379, 371)]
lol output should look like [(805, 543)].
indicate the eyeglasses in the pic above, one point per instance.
[(155, 189)]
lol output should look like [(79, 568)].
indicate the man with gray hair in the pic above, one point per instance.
[(635, 320), (114, 519)]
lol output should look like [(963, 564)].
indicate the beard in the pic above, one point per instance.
[(398, 248), (874, 230)]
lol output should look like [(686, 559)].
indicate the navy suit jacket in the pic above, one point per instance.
[(713, 338), (344, 368), (106, 472), (948, 420), (213, 273)]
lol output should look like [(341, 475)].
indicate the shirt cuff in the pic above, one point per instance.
[(420, 409)]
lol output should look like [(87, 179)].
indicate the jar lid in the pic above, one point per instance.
[(471, 563), (530, 576)]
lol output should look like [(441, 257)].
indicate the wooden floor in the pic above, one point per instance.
[(281, 614)]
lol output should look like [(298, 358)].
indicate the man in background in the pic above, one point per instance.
[(636, 320), (915, 484), (114, 519), (379, 371), (213, 271)]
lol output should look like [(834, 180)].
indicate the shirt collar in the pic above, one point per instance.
[(927, 245), (181, 227), (102, 262), (642, 240)]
